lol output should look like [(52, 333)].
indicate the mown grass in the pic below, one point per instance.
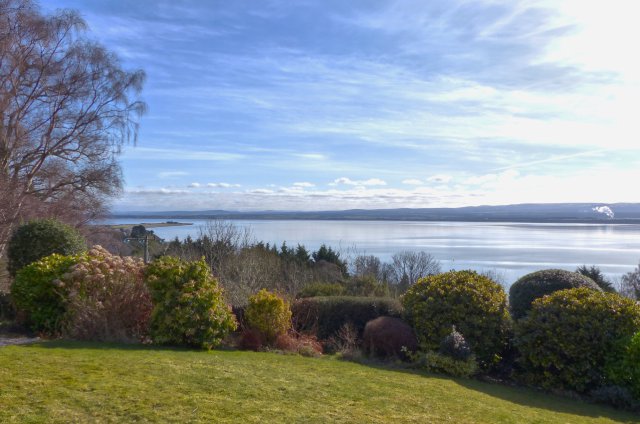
[(86, 382)]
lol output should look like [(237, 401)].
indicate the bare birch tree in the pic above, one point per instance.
[(66, 108)]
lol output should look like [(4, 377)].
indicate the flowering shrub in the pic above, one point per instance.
[(39, 295), (455, 346), (188, 304), (107, 298), (269, 314)]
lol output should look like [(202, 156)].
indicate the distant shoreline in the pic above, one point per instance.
[(559, 213), (146, 225)]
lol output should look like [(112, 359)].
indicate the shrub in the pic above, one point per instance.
[(39, 295), (7, 310), (366, 286), (300, 344), (269, 314), (616, 396), (623, 366), (250, 339), (107, 298), (38, 239), (455, 346), (537, 284), (324, 316), (345, 341), (594, 273), (322, 289), (475, 304), (443, 364), (388, 337), (566, 337), (188, 304)]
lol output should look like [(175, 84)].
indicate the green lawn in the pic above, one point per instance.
[(74, 382)]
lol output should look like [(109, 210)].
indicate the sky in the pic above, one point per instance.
[(333, 104)]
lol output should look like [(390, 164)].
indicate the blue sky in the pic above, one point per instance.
[(333, 104)]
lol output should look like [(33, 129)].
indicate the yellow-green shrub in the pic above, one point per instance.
[(475, 304), (565, 339), (39, 294), (268, 314), (188, 304), (623, 366)]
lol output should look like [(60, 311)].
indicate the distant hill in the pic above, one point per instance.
[(542, 212)]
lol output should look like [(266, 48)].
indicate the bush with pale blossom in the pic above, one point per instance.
[(107, 298)]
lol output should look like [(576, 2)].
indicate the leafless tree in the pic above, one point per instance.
[(409, 266), (367, 266), (629, 284), (66, 108)]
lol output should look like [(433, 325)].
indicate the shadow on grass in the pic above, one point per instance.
[(519, 395), (72, 344)]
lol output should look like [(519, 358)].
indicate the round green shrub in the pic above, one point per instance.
[(269, 314), (567, 336), (188, 304), (39, 294), (40, 238), (623, 367), (540, 283), (475, 304)]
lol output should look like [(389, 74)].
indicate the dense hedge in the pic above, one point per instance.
[(39, 295), (40, 238), (623, 366), (324, 316), (537, 284), (269, 314), (475, 304), (565, 339), (188, 305)]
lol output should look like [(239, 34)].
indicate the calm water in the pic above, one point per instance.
[(512, 249)]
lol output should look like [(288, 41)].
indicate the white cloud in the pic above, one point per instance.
[(222, 185), (439, 178), (348, 181), (412, 181), (171, 174), (304, 184), (195, 185)]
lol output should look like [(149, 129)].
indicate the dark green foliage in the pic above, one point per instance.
[(7, 312), (596, 275), (327, 254), (188, 305), (39, 295), (138, 231), (623, 365), (388, 337), (616, 396), (322, 289), (366, 286), (537, 284), (567, 336), (40, 238), (455, 346), (475, 304), (444, 364), (324, 316)]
